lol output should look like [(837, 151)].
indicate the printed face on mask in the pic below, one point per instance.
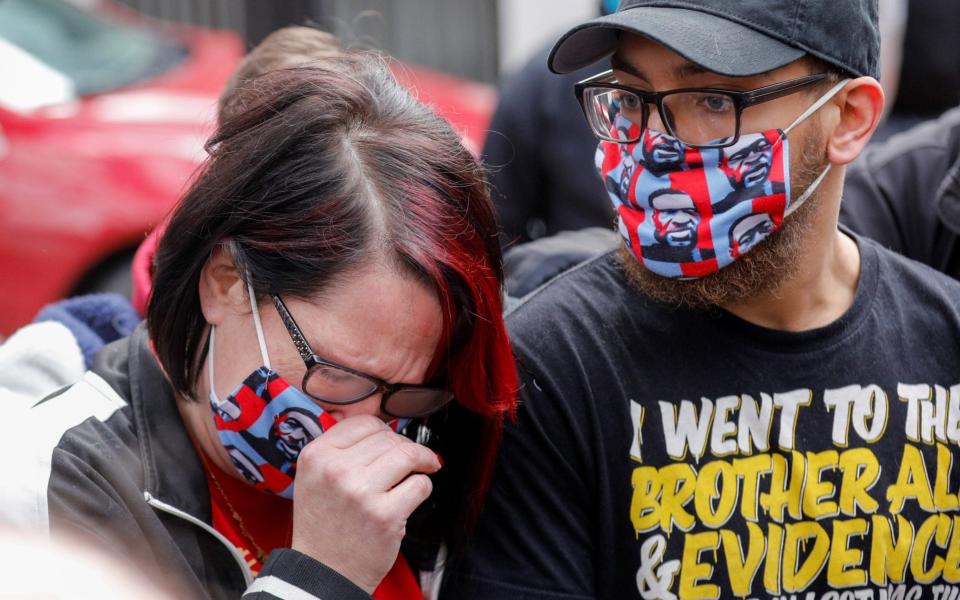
[(749, 164), (675, 218), (687, 211), (265, 422)]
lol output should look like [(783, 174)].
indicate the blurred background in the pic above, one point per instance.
[(105, 106)]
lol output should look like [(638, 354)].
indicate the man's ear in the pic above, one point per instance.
[(861, 106), (222, 290)]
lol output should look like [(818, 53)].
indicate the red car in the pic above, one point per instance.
[(102, 123)]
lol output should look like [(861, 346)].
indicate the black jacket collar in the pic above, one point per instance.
[(171, 468)]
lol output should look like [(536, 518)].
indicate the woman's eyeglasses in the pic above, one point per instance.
[(331, 383)]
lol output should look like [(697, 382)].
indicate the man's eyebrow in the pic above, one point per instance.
[(688, 69), (617, 63)]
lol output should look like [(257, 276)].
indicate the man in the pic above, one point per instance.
[(778, 421)]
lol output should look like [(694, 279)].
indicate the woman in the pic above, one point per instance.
[(331, 278)]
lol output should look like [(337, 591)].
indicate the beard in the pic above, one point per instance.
[(761, 271)]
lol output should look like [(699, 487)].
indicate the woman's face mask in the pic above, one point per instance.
[(265, 422), (686, 212)]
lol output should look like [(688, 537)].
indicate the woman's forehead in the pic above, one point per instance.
[(372, 321)]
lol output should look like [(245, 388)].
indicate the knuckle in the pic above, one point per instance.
[(369, 422), (409, 452), (383, 518), (310, 457), (368, 507), (336, 473), (308, 453), (422, 485)]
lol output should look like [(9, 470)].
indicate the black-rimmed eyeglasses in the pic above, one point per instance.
[(698, 117), (328, 382)]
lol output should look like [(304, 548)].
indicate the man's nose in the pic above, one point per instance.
[(653, 119)]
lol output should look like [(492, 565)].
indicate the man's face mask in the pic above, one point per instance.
[(265, 422), (687, 212)]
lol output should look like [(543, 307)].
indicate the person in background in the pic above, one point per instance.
[(537, 153), (905, 193), (39, 359), (327, 291), (922, 79), (768, 417)]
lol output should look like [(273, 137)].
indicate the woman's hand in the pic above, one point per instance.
[(356, 486)]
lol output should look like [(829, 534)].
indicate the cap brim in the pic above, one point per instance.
[(714, 43)]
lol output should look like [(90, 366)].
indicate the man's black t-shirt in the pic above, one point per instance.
[(662, 453)]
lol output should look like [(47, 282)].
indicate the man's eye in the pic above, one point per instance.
[(630, 101), (716, 103)]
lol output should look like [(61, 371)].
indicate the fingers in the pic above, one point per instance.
[(410, 493), (364, 453), (369, 449), (395, 465), (350, 431)]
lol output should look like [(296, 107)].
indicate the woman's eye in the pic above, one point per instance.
[(335, 375)]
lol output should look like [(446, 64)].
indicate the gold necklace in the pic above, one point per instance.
[(261, 555)]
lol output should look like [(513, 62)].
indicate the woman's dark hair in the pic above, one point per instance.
[(326, 168)]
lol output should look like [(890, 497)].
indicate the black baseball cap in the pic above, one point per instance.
[(735, 37)]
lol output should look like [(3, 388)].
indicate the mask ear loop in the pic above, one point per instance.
[(213, 391), (816, 105), (803, 116), (259, 326), (260, 339)]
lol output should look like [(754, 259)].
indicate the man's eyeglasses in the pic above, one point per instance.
[(698, 117), (331, 383)]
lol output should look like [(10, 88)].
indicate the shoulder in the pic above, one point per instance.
[(588, 316), (530, 265), (36, 360), (911, 283), (597, 282), (930, 140), (66, 431), (909, 166), (75, 435)]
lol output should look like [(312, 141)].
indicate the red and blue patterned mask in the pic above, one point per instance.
[(265, 422), (686, 212)]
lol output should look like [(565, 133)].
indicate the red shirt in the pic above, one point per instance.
[(268, 520)]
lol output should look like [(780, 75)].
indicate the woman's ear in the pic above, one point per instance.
[(222, 291), (861, 106)]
